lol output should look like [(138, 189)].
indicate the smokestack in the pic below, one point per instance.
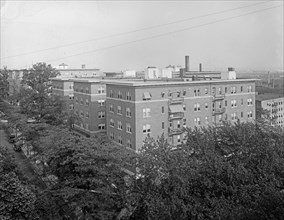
[(200, 67), (187, 63)]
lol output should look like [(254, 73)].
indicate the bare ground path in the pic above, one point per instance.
[(23, 163)]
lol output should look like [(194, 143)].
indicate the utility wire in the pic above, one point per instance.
[(165, 34), (134, 31)]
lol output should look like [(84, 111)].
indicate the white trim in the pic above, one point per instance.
[(89, 94)]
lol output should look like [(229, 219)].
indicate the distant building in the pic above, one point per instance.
[(15, 78), (64, 71), (274, 103), (129, 73)]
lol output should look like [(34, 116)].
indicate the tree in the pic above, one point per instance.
[(90, 176), (37, 78), (224, 172), (4, 84), (17, 199)]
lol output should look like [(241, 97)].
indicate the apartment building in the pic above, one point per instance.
[(89, 104), (137, 109), (63, 87), (274, 103)]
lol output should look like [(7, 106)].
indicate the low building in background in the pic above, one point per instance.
[(83, 72), (274, 103)]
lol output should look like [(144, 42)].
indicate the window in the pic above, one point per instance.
[(87, 102), (220, 104), (220, 118), (111, 123), (128, 143), (178, 138), (163, 109), (128, 96), (101, 102), (206, 105), (249, 88), (128, 112), (225, 102), (147, 96), (147, 129), (101, 114), (184, 107), (206, 91), (87, 115), (206, 120), (178, 124), (241, 88), (242, 101), (76, 100), (250, 114), (249, 101), (233, 103), (220, 90), (226, 90), (101, 90), (162, 94), (197, 107), (82, 90), (163, 125), (242, 114), (101, 126), (184, 122), (184, 92), (196, 121), (111, 135), (196, 92), (119, 110), (87, 90), (111, 93), (226, 116), (119, 139), (170, 124), (111, 108), (119, 125), (82, 101), (234, 116), (128, 128), (119, 95), (146, 112), (233, 89)]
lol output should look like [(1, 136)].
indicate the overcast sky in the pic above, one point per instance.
[(119, 35)]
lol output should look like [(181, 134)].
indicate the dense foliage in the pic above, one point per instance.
[(229, 172)]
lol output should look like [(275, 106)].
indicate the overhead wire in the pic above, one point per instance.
[(133, 31), (165, 34)]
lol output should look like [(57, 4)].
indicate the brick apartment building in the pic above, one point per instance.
[(135, 109), (89, 104), (274, 103), (63, 87)]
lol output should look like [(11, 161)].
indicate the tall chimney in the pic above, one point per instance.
[(200, 67), (187, 63)]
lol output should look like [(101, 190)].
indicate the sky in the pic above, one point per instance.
[(120, 35)]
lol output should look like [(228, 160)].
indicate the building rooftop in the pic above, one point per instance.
[(268, 96), (171, 82)]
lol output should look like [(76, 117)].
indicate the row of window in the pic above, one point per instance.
[(119, 140), (101, 102), (119, 110), (101, 114), (119, 95), (100, 126), (101, 90), (120, 126), (273, 104)]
